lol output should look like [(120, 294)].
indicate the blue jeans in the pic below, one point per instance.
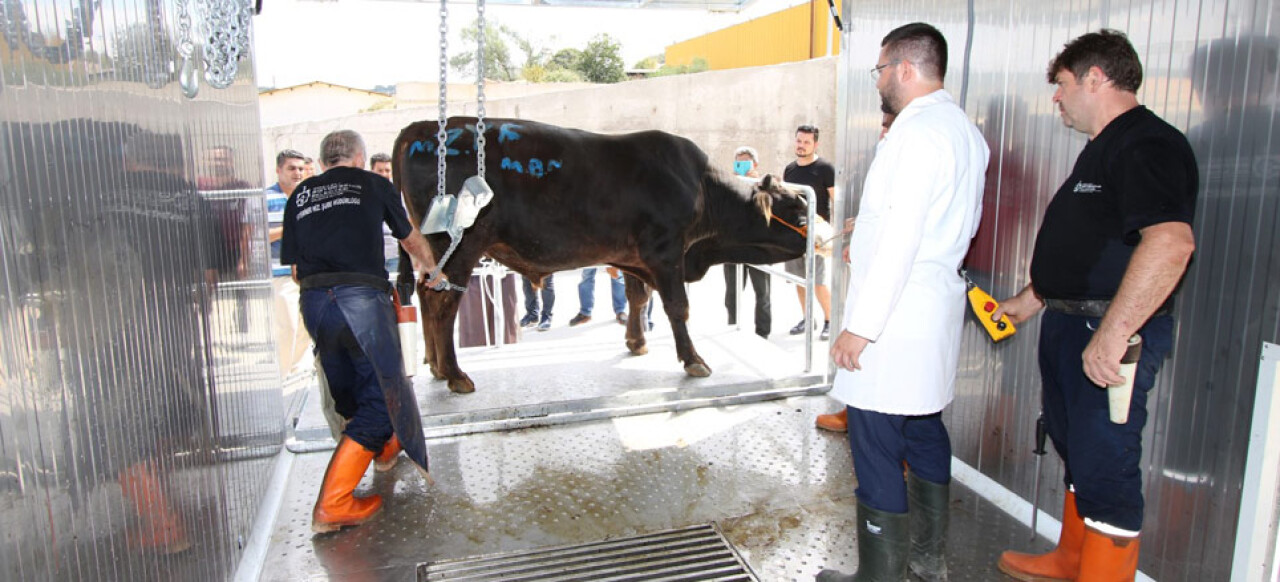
[(352, 374), (1102, 458), (587, 292), (531, 298), (881, 442)]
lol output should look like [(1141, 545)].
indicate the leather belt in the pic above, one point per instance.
[(1088, 307), (321, 280)]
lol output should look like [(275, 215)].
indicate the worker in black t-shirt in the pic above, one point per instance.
[(333, 238), (816, 173), (1115, 242)]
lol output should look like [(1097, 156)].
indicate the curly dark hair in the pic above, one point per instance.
[(1106, 49)]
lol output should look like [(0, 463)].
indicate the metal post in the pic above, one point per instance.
[(808, 279), (499, 309), (739, 271)]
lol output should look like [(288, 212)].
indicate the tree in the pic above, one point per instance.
[(497, 58), (567, 59), (698, 65), (601, 61), (646, 63), (562, 76)]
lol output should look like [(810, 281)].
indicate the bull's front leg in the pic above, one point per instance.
[(439, 328), (430, 314), (676, 303)]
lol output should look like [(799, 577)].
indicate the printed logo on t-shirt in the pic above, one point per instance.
[(1087, 188), (329, 196), (303, 197)]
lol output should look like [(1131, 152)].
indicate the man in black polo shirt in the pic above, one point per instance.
[(333, 237), (1115, 242)]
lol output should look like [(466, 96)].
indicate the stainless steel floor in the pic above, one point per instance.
[(780, 490), (586, 369)]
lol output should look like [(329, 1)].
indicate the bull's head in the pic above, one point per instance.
[(771, 230), (791, 203)]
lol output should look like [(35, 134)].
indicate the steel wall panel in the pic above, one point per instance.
[(138, 385), (1211, 70)]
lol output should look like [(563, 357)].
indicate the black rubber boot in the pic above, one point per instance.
[(883, 544), (929, 504)]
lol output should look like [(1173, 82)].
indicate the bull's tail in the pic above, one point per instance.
[(405, 280), (406, 283)]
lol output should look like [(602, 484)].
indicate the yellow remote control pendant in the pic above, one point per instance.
[(983, 306)]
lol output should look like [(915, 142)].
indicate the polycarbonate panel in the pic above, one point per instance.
[(1211, 69), (140, 402)]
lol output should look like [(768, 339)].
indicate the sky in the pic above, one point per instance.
[(363, 43)]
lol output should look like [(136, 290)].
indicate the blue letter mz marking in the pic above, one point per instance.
[(422, 146), (453, 135)]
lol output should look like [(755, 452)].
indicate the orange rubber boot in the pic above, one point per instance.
[(838, 422), (337, 506), (159, 527), (1060, 565), (1108, 559), (386, 460)]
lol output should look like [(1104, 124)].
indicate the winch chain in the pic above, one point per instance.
[(442, 136), (480, 63), (455, 234), (445, 284)]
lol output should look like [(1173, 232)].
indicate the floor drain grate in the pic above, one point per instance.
[(693, 553)]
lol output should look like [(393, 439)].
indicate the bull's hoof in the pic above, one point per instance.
[(698, 370), (435, 374), (462, 386), (637, 347)]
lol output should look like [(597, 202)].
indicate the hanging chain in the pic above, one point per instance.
[(188, 77), (210, 29), (226, 25), (185, 46), (441, 135), (480, 62)]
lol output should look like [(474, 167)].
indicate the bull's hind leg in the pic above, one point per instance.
[(676, 303), (638, 302)]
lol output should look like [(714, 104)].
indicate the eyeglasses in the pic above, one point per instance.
[(875, 71)]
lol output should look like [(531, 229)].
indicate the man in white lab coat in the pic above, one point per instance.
[(900, 339)]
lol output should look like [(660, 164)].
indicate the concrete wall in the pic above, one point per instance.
[(313, 101), (719, 110), (418, 94)]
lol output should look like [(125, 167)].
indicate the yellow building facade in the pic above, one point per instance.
[(798, 33)]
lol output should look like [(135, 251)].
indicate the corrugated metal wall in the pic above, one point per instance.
[(1211, 70), (801, 32), (140, 403)]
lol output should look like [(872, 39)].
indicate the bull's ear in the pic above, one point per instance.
[(764, 202), (766, 183)]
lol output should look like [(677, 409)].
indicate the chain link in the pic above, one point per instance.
[(441, 135), (185, 46), (188, 76), (480, 112), (226, 26)]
